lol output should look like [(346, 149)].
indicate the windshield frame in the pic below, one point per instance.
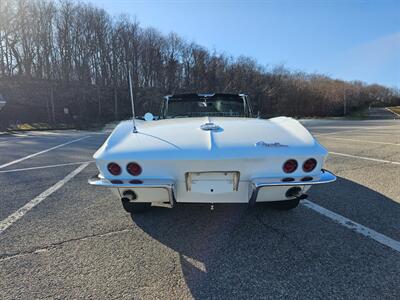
[(203, 97)]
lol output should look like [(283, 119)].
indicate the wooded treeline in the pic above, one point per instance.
[(67, 61)]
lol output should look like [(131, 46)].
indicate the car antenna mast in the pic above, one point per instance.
[(132, 103)]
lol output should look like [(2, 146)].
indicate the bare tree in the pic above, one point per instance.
[(73, 55)]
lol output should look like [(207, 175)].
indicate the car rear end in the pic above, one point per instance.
[(236, 180), (211, 160)]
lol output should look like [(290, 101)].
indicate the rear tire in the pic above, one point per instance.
[(285, 205), (138, 207)]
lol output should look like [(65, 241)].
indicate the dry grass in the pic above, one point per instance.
[(395, 109), (39, 126)]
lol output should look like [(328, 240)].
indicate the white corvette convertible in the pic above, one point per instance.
[(207, 148)]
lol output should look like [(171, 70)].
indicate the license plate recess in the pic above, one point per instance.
[(212, 182)]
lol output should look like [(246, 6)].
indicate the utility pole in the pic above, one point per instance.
[(115, 103), (132, 102), (344, 103), (99, 103), (52, 104)]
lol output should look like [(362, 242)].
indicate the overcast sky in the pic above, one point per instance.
[(351, 40)]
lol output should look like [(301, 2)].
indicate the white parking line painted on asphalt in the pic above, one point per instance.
[(43, 134), (11, 219), (48, 166), (366, 158), (41, 152), (370, 133), (362, 141), (335, 132), (354, 130), (365, 231)]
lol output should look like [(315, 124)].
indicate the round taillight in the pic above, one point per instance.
[(114, 169), (134, 169), (290, 166), (309, 165)]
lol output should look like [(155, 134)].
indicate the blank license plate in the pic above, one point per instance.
[(212, 182)]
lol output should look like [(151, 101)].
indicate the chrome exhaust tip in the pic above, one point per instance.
[(293, 192), (129, 195)]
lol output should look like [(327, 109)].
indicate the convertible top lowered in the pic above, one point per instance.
[(221, 159)]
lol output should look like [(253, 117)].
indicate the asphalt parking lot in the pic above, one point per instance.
[(77, 242)]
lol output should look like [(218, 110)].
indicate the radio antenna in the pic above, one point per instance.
[(132, 103)]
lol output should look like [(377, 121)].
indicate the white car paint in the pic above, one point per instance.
[(169, 149)]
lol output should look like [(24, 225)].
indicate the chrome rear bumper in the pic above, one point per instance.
[(258, 183), (166, 184), (169, 185)]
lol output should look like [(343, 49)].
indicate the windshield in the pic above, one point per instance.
[(223, 106)]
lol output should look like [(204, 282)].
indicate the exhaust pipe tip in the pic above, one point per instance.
[(293, 192), (129, 195)]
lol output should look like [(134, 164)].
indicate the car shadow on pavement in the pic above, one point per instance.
[(235, 252)]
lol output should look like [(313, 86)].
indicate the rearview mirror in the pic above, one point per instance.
[(148, 116)]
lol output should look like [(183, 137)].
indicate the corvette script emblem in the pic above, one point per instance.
[(269, 145)]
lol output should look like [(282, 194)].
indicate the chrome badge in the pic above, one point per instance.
[(210, 126), (269, 145)]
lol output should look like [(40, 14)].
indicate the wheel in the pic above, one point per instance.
[(138, 207), (286, 204)]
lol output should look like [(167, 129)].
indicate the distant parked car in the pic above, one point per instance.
[(208, 148)]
